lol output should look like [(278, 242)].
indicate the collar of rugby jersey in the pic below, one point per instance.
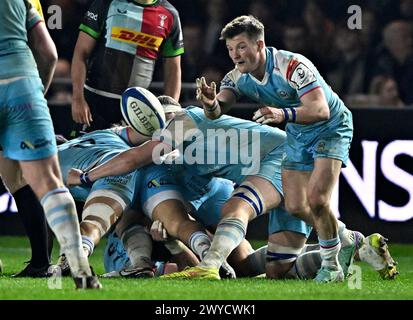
[(144, 4)]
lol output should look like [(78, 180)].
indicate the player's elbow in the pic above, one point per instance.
[(52, 57), (323, 113)]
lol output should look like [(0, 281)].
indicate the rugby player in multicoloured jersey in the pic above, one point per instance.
[(118, 44), (26, 133), (319, 126)]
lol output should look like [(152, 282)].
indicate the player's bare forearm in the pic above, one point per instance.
[(78, 73), (125, 162), (84, 47), (314, 108), (172, 78)]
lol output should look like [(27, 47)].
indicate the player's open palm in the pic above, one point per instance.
[(205, 93), (81, 112)]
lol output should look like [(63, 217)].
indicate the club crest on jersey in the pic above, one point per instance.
[(162, 20), (302, 76)]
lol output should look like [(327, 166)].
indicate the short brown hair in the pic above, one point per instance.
[(248, 24)]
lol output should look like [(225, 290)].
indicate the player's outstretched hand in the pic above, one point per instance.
[(158, 232), (81, 112), (267, 115), (73, 177), (206, 94)]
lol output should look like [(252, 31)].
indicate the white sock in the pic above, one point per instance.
[(346, 235), (60, 211), (329, 252), (138, 245), (199, 243), (229, 234), (88, 245)]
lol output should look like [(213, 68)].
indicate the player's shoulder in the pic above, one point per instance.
[(232, 76), (36, 5), (168, 6), (290, 63)]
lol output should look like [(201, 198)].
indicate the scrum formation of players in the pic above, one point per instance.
[(138, 189)]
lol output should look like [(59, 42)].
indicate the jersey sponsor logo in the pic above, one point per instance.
[(39, 143), (91, 15), (302, 76), (135, 37)]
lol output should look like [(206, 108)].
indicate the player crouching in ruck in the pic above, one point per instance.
[(247, 200)]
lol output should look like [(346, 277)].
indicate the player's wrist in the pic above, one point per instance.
[(214, 106), (85, 179), (290, 114)]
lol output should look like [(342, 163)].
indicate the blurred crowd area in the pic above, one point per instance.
[(370, 67)]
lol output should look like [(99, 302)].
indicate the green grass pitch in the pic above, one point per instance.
[(15, 250)]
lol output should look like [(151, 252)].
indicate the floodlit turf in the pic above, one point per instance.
[(14, 251)]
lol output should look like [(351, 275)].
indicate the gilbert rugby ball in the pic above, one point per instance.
[(142, 111)]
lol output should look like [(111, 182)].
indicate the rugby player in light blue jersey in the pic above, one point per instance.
[(287, 234), (319, 126), (153, 188), (259, 187), (26, 133)]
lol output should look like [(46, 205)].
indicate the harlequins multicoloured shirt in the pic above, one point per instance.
[(130, 37)]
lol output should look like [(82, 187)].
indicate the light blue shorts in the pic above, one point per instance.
[(156, 185), (208, 207), (271, 168), (331, 141), (280, 220), (26, 128)]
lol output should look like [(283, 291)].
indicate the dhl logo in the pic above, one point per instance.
[(135, 37)]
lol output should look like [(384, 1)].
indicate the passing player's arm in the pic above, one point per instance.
[(172, 78), (223, 102), (125, 162), (314, 107), (44, 52)]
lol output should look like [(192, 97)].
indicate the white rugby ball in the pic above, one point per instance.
[(142, 111)]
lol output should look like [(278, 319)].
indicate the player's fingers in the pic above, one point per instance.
[(198, 94), (270, 120), (257, 114), (260, 119), (214, 88), (203, 82), (164, 234), (198, 82)]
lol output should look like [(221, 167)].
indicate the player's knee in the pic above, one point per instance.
[(296, 209), (318, 201), (235, 208)]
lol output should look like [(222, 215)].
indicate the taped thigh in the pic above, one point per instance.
[(102, 209), (248, 192), (281, 254), (150, 204)]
